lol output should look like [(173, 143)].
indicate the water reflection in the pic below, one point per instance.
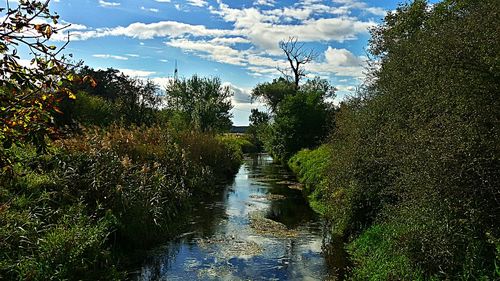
[(218, 242)]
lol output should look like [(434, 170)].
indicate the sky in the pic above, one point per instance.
[(236, 41)]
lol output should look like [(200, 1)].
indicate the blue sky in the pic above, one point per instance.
[(234, 40)]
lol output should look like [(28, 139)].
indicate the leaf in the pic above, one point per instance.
[(48, 31)]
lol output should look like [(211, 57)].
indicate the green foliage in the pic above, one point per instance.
[(115, 188), (30, 96), (238, 142), (92, 110), (203, 103), (376, 256), (413, 178), (259, 123), (311, 167), (273, 93), (114, 97), (43, 240), (300, 122)]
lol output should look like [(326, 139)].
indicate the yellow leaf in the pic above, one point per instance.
[(48, 31), (72, 96)]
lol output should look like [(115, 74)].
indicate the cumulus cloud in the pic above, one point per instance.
[(136, 73), (252, 39), (266, 28), (151, 30)]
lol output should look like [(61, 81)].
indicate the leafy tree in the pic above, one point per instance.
[(274, 92), (29, 95), (134, 101), (258, 117), (415, 157), (301, 120), (203, 103), (259, 123)]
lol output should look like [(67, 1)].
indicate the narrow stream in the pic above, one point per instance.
[(258, 228)]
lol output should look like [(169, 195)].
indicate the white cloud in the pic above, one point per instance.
[(103, 3), (163, 1), (215, 52), (154, 10), (340, 62), (266, 29), (197, 3), (136, 73), (342, 57), (162, 82), (240, 95), (106, 56), (265, 2), (252, 40), (151, 30)]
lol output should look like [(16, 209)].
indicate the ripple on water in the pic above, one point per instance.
[(257, 229)]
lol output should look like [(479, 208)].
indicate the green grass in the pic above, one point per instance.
[(73, 213), (310, 167)]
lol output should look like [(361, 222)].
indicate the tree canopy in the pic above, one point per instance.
[(203, 103)]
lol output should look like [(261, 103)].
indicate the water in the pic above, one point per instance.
[(230, 237)]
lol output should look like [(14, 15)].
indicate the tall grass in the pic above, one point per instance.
[(64, 216)]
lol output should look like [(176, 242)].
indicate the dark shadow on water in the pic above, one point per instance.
[(206, 243)]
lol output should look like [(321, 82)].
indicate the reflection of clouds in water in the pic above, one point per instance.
[(234, 251), (314, 245)]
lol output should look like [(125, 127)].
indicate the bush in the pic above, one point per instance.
[(310, 167), (413, 178)]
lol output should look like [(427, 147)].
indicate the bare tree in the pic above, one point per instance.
[(297, 57)]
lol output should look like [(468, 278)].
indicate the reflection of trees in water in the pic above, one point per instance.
[(292, 211), (202, 220), (334, 253)]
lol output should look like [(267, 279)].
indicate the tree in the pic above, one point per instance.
[(273, 93), (416, 159), (29, 95), (259, 123), (133, 100), (301, 120), (202, 103), (297, 57)]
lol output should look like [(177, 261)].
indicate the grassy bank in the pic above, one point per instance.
[(310, 168), (67, 214)]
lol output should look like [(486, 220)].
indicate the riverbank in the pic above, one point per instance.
[(98, 195), (257, 227)]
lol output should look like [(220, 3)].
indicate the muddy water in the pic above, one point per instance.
[(256, 229)]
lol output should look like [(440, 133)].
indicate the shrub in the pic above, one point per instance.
[(310, 167)]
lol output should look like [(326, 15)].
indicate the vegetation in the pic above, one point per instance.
[(406, 171), (412, 182), (107, 189), (200, 103), (115, 174), (299, 118), (311, 168), (29, 96)]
